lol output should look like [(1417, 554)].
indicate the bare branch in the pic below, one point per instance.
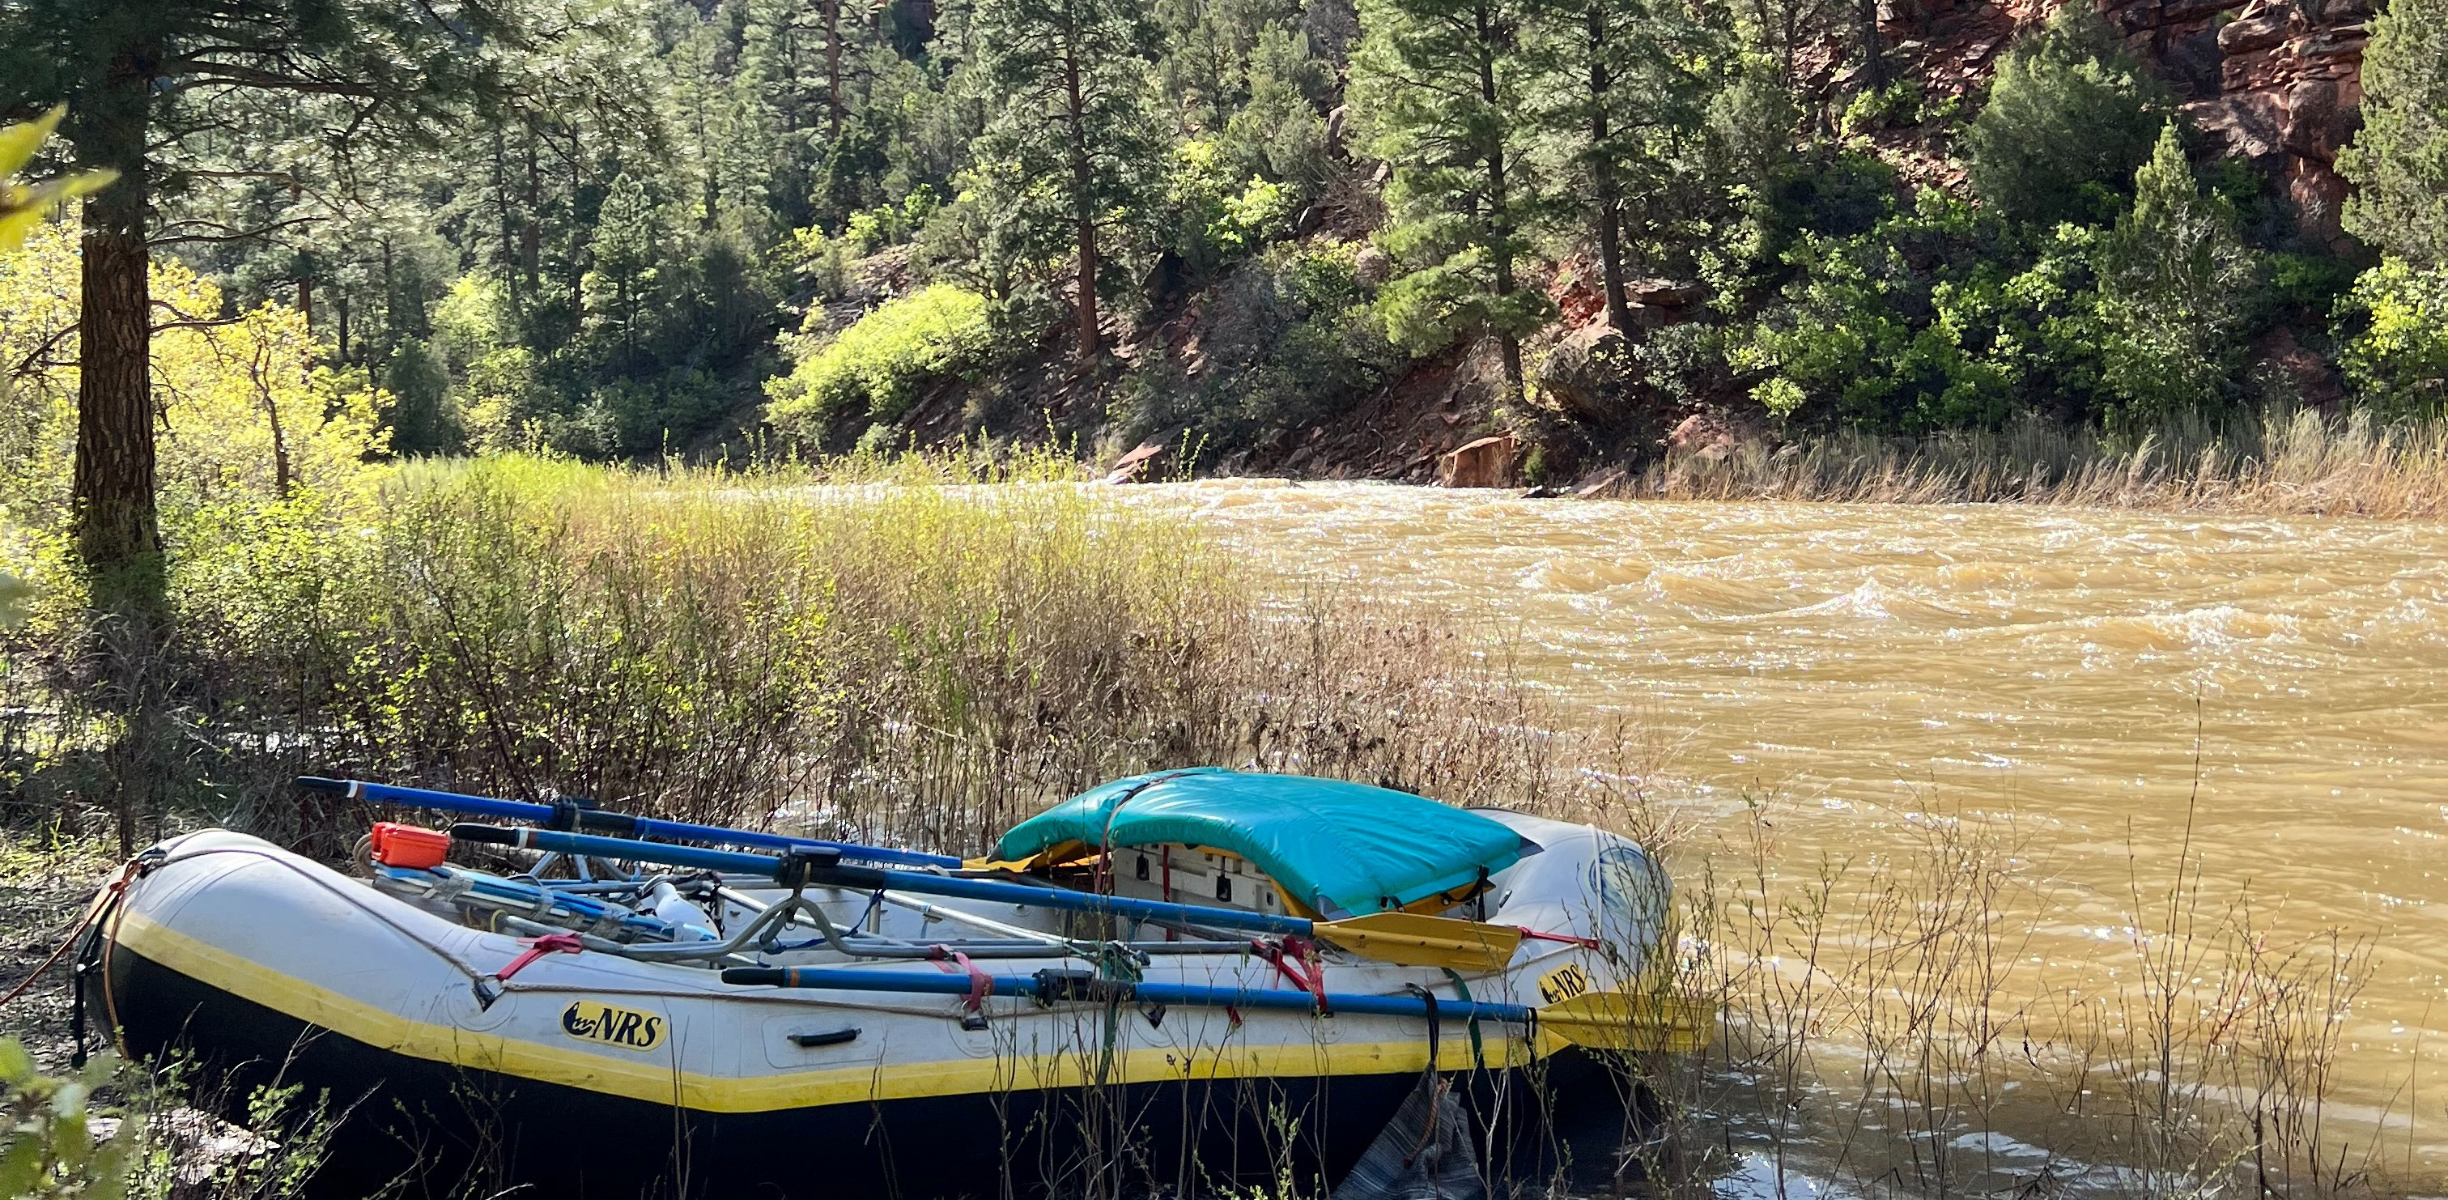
[(232, 236), (215, 323), (26, 365)]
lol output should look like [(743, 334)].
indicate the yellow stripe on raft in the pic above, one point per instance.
[(656, 1079)]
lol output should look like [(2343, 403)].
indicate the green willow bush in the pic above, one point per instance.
[(2400, 359), (881, 362)]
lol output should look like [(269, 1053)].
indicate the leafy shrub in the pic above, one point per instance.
[(824, 261), (2309, 281), (1219, 217), (48, 1147), (648, 416), (1261, 212), (2399, 361), (872, 229), (1877, 108), (1840, 194), (501, 399), (2070, 116), (880, 362), (1909, 325), (1780, 396)]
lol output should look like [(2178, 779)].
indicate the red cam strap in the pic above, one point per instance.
[(981, 984), (1586, 943), (551, 943), (1314, 982)]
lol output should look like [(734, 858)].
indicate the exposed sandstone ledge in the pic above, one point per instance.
[(2276, 83)]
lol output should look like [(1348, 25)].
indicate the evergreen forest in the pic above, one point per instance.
[(728, 229)]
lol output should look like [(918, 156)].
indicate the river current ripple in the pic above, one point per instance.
[(2046, 666)]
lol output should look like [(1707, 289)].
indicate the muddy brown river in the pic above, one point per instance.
[(2047, 668)]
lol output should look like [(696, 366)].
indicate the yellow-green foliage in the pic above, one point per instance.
[(22, 205), (248, 421), (880, 362), (477, 328), (703, 644), (2401, 359), (899, 655)]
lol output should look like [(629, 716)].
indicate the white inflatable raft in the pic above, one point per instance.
[(674, 1018)]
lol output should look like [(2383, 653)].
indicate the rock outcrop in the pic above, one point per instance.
[(2274, 82), (1587, 374), (1713, 436), (2290, 95), (1486, 463), (1132, 466)]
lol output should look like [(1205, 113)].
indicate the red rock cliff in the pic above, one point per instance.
[(2275, 82), (2289, 96)]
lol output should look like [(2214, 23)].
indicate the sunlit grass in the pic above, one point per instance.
[(2298, 463)]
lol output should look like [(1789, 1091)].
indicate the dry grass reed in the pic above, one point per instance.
[(883, 650), (1892, 1031), (2293, 463)]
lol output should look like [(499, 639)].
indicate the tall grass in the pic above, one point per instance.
[(904, 657), (2299, 462), (1891, 1031)]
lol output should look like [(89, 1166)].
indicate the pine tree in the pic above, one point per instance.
[(1278, 131), (144, 80), (2399, 160), (625, 257), (1446, 88), (1206, 67), (1071, 146), (2175, 280), (1628, 99)]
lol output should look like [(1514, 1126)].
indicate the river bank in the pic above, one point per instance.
[(2303, 463)]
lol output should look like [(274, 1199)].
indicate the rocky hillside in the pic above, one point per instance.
[(2269, 84)]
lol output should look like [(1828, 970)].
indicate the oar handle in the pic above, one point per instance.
[(572, 816)]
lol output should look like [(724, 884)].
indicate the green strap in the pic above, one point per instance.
[(1462, 993)]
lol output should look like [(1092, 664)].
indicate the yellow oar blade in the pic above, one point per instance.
[(1631, 1021), (1414, 940)]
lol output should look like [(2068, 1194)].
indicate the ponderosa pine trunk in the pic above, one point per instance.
[(833, 78), (1602, 177), (118, 530), (1874, 56), (1500, 213), (531, 228), (1083, 200)]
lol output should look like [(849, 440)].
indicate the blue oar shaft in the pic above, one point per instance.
[(842, 980), (868, 879), (553, 841), (618, 823)]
